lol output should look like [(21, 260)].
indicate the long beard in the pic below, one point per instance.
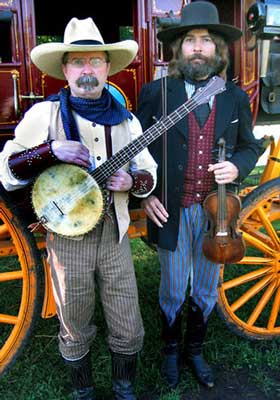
[(197, 71), (87, 82)]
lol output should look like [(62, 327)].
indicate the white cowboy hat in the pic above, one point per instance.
[(82, 35)]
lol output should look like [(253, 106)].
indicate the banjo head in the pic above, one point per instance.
[(67, 200)]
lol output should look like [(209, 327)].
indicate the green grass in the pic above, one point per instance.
[(39, 373), (254, 177)]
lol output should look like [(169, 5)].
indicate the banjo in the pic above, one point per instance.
[(69, 200)]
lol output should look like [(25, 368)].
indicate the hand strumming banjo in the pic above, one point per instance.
[(68, 200)]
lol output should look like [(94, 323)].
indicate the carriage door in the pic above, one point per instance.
[(16, 29)]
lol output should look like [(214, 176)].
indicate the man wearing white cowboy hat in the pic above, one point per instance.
[(85, 125), (200, 50)]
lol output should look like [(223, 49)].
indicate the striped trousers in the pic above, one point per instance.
[(77, 265), (187, 267)]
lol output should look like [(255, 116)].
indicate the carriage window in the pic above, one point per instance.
[(126, 32), (5, 34), (40, 39), (109, 29), (164, 52), (166, 5)]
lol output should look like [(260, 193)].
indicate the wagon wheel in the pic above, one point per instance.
[(20, 283), (249, 292)]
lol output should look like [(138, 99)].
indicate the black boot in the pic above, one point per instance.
[(172, 337), (81, 378), (123, 375), (195, 334)]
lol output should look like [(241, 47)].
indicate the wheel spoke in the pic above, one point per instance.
[(269, 227), (258, 235), (252, 260), (262, 303), (7, 248), (11, 276), (246, 278), (20, 272), (251, 293), (274, 312), (258, 244), (4, 232), (8, 319)]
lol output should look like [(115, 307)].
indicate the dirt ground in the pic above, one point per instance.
[(230, 385), (234, 386)]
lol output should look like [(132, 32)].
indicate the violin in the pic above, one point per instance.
[(222, 242)]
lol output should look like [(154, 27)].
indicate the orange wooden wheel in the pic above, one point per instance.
[(249, 292), (20, 274)]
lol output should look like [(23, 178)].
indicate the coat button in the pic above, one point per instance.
[(180, 167)]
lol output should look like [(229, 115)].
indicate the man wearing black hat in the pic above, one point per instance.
[(200, 51)]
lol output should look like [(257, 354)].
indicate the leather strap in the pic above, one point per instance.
[(142, 181), (29, 163)]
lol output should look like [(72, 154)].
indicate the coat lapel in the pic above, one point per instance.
[(224, 107), (176, 97)]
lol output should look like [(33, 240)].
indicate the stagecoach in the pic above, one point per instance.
[(249, 292)]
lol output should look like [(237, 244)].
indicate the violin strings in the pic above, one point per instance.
[(222, 211)]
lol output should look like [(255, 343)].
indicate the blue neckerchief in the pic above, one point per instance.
[(104, 111)]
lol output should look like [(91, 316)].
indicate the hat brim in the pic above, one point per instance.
[(229, 32), (48, 56)]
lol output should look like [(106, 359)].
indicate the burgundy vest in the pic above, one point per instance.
[(198, 182)]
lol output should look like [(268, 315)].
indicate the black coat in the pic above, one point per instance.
[(233, 122)]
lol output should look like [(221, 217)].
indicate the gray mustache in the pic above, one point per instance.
[(87, 80)]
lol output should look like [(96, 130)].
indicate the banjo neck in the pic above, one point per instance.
[(100, 174)]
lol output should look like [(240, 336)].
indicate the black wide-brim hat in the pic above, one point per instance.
[(196, 15)]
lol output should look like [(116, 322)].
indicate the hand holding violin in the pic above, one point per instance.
[(225, 172)]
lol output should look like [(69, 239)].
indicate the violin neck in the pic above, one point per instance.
[(222, 199), (222, 211)]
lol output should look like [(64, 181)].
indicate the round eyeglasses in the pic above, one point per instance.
[(80, 62)]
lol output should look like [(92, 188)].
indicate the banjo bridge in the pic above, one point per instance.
[(59, 209)]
